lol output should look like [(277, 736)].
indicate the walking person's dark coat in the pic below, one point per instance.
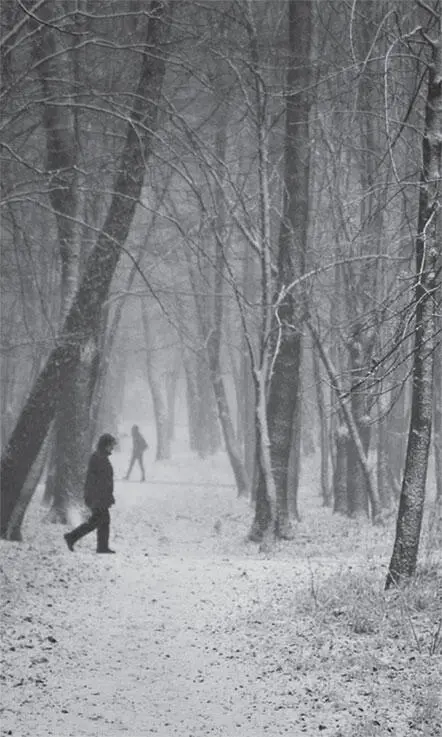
[(98, 496)]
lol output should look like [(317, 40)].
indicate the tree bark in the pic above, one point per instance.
[(80, 329), (428, 264), (284, 392), (14, 531), (57, 78)]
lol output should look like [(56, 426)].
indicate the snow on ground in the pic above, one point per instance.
[(189, 630)]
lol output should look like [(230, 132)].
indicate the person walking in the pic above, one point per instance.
[(98, 496), (139, 445)]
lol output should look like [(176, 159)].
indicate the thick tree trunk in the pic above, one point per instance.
[(72, 435), (284, 391), (34, 477), (428, 264), (81, 326), (57, 77)]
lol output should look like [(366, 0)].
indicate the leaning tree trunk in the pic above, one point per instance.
[(79, 334), (14, 531), (428, 264)]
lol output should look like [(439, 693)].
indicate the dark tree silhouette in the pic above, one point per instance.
[(79, 336)]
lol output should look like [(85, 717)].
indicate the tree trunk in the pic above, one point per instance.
[(360, 348), (157, 392), (172, 379), (57, 77), (72, 434), (34, 477), (79, 333), (428, 264), (324, 432), (248, 388), (284, 392), (384, 480), (263, 527), (340, 501), (350, 423), (294, 469), (211, 334), (437, 403)]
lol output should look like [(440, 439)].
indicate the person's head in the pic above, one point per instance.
[(134, 429), (106, 443)]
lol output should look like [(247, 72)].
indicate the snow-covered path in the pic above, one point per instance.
[(187, 630), (153, 640)]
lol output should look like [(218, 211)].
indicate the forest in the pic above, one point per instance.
[(221, 219)]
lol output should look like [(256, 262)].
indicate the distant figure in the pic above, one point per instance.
[(98, 496), (139, 445)]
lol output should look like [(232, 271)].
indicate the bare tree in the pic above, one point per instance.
[(77, 344), (428, 269)]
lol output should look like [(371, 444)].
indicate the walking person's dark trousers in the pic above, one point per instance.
[(100, 521)]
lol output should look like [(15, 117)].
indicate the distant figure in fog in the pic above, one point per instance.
[(139, 445), (98, 496)]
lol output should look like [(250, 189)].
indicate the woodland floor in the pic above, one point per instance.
[(191, 631)]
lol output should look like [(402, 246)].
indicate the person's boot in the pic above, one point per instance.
[(106, 551), (69, 542)]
